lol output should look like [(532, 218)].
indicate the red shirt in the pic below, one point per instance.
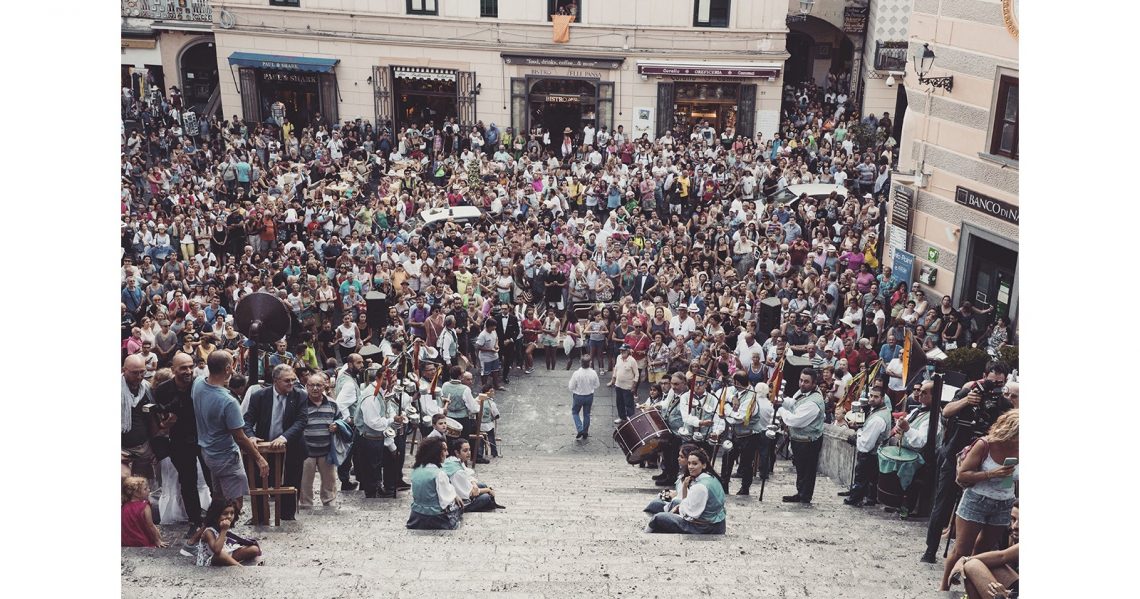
[(638, 343), (134, 527)]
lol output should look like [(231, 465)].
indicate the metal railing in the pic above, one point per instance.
[(168, 10)]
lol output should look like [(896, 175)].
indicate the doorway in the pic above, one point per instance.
[(199, 67), (798, 67), (299, 93), (560, 104), (990, 279)]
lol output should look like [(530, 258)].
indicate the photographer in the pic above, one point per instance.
[(174, 412), (968, 416)]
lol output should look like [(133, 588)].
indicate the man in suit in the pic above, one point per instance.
[(507, 327), (277, 415), (644, 284)]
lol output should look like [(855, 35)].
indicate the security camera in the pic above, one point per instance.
[(890, 80)]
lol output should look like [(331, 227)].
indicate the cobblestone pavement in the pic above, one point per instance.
[(573, 528)]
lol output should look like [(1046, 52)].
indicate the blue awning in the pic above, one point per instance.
[(283, 63)]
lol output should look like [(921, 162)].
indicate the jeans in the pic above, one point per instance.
[(582, 403), (624, 402), (805, 457), (673, 523), (482, 503)]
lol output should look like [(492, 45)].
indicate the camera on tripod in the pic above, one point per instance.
[(977, 419)]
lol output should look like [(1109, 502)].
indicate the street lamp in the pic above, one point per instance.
[(805, 9), (922, 66)]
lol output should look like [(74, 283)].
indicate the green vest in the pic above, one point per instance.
[(454, 391), (361, 427), (814, 430), (487, 417), (754, 423), (714, 507), (425, 499), (450, 467), (673, 416)]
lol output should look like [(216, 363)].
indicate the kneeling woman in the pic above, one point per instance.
[(435, 505), (476, 496), (670, 499), (701, 510)]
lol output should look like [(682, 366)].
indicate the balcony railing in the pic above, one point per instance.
[(168, 10), (890, 56)]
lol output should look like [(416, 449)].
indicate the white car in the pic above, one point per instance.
[(818, 191), (434, 217)]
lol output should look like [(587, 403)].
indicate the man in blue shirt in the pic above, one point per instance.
[(890, 350), (221, 431)]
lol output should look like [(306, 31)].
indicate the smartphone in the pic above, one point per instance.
[(1010, 462)]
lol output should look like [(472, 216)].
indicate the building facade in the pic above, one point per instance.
[(639, 64), (169, 43), (954, 221)]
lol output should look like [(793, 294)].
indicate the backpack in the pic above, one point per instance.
[(962, 457)]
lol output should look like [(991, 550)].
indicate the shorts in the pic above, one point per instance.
[(489, 367), (655, 377), (549, 341), (228, 477), (597, 344), (979, 509)]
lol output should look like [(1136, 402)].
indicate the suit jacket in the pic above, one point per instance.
[(511, 331), (642, 283), (260, 414)]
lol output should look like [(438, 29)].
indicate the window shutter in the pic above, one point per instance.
[(330, 104), (746, 111), (382, 94), (665, 109), (250, 99)]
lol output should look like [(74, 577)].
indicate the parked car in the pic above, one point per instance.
[(818, 191), (460, 215)]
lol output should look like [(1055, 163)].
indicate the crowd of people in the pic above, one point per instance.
[(647, 258)]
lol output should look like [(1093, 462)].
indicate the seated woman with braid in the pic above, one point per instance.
[(701, 510), (476, 496), (670, 499), (435, 506)]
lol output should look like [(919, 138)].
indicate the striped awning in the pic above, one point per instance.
[(425, 73)]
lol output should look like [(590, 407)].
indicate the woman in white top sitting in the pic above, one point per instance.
[(476, 496), (671, 499), (701, 510)]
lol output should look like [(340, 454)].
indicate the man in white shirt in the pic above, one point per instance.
[(682, 325), (588, 135), (582, 385), (871, 434)]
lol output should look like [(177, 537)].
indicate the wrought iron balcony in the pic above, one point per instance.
[(890, 56), (168, 10)]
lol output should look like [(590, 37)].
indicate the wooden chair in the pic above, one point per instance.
[(259, 495)]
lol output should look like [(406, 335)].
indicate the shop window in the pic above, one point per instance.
[(1003, 137), (489, 9), (711, 13), (423, 7), (564, 7), (289, 3)]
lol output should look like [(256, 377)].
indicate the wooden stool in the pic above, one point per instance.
[(258, 494)]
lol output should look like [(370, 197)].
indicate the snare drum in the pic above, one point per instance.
[(897, 467), (454, 428), (642, 435)]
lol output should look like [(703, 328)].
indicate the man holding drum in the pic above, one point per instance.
[(871, 434)]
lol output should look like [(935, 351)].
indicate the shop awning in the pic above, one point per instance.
[(711, 69), (283, 63), (425, 73)]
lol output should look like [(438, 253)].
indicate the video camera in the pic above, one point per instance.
[(977, 419)]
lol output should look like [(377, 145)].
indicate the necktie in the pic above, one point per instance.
[(278, 412)]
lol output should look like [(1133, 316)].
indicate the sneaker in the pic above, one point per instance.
[(618, 420), (529, 371), (189, 550)]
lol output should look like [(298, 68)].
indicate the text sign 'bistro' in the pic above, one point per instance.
[(991, 206), (583, 62)]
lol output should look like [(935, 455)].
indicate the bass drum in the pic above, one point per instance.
[(642, 435)]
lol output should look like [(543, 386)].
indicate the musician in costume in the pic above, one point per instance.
[(701, 509), (669, 499), (476, 496), (432, 402), (704, 421), (803, 414), (378, 413), (461, 404), (346, 395), (870, 435), (674, 407), (435, 505), (748, 414), (911, 432)]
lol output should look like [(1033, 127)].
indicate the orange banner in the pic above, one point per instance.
[(561, 28)]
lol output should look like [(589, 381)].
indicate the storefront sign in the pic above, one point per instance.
[(902, 268), (709, 71), (288, 77), (563, 99), (143, 44), (855, 19), (583, 62), (983, 203)]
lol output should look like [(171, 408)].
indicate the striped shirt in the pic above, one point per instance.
[(318, 439)]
